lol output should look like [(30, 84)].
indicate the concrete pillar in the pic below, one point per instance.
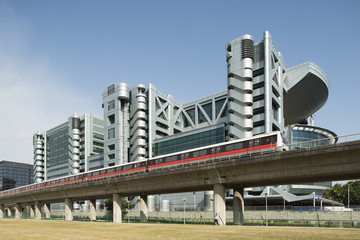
[(238, 203), (219, 203), (9, 211), (93, 209), (68, 209), (1, 210), (143, 209), (32, 211), (117, 214), (47, 210), (18, 211), (37, 210)]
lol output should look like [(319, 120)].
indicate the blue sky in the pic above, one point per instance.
[(57, 57)]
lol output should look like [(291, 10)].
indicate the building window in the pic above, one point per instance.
[(111, 119), (111, 105), (111, 89), (111, 133), (98, 136), (111, 147), (111, 156)]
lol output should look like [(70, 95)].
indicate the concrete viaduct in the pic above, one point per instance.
[(339, 161)]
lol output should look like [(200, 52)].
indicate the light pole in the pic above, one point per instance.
[(184, 209), (266, 194), (194, 202), (128, 210), (160, 203), (314, 200), (284, 198), (348, 196)]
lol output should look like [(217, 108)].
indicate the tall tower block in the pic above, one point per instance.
[(240, 87)]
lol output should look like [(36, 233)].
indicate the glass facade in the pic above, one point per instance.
[(304, 137), (14, 175), (57, 147), (195, 140)]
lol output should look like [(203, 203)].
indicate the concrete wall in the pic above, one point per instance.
[(260, 216)]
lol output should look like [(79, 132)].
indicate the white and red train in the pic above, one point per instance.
[(265, 142)]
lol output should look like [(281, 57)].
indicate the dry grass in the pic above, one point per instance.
[(51, 230)]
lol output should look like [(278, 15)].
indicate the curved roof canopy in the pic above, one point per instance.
[(306, 91)]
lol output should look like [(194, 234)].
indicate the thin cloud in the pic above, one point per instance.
[(33, 94)]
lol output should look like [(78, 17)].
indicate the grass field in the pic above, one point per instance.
[(50, 230)]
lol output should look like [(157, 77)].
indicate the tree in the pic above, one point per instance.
[(339, 193), (354, 190), (125, 204), (334, 193)]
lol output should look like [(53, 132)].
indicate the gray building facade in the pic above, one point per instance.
[(65, 149), (262, 95)]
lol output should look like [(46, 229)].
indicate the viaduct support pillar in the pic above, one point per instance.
[(32, 211), (117, 218), (238, 203), (143, 209), (1, 211), (93, 209), (47, 210), (68, 209), (18, 211), (37, 210), (219, 203), (9, 211)]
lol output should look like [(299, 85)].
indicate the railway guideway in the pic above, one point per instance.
[(339, 161)]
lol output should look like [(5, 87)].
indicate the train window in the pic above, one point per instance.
[(257, 142), (218, 149), (186, 155), (251, 143), (202, 152), (229, 147), (213, 150), (265, 141), (196, 154), (274, 139), (238, 146)]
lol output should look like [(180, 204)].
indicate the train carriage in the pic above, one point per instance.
[(243, 147)]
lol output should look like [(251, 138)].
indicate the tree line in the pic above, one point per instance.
[(348, 193)]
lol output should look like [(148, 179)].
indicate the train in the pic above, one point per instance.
[(268, 142)]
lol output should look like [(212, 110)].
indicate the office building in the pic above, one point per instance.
[(13, 174), (65, 149), (262, 95)]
